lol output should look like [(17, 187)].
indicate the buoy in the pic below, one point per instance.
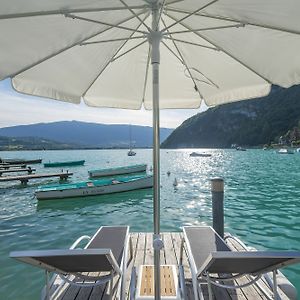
[(175, 183), (168, 173)]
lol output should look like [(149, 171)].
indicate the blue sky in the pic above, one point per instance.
[(18, 109)]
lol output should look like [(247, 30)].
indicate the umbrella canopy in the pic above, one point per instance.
[(217, 51)]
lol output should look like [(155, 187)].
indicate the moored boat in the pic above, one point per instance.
[(64, 163), (94, 187), (131, 153), (196, 154), (285, 151), (118, 171), (239, 148), (15, 161)]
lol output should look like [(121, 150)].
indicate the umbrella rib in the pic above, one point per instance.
[(191, 43), (235, 20), (66, 11), (208, 28), (160, 14), (146, 74), (112, 57), (65, 49), (133, 12), (224, 51), (112, 40), (185, 64), (173, 52), (190, 14), (129, 50), (210, 82), (103, 23), (174, 2)]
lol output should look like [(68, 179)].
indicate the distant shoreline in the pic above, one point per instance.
[(62, 149), (126, 148)]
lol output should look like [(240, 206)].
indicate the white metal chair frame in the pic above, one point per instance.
[(210, 280), (76, 279)]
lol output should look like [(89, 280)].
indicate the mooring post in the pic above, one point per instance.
[(217, 193)]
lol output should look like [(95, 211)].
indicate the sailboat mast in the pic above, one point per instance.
[(130, 146)]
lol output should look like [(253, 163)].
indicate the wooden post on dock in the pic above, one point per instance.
[(217, 193)]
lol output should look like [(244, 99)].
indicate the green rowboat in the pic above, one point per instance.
[(64, 164), (94, 187)]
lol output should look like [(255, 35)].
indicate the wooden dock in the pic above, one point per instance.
[(16, 170), (8, 166), (25, 178), (143, 254)]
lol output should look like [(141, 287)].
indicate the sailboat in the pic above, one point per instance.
[(130, 152)]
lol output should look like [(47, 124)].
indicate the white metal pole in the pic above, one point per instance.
[(155, 38)]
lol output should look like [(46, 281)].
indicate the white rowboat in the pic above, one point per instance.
[(117, 171)]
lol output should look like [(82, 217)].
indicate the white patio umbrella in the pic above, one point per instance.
[(216, 51)]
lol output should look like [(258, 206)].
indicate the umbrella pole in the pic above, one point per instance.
[(156, 183), (154, 39)]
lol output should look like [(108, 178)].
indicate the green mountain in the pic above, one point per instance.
[(248, 123), (32, 143)]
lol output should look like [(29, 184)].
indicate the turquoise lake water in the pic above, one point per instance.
[(262, 194)]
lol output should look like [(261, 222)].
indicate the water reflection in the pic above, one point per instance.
[(262, 192)]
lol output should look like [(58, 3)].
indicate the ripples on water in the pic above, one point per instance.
[(262, 190)]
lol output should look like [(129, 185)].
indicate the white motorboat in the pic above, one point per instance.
[(285, 151)]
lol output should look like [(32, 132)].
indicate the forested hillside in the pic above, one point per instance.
[(248, 123)]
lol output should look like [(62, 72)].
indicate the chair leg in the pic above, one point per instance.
[(47, 285), (111, 286), (195, 287), (182, 282), (210, 292), (200, 294), (133, 283), (275, 290)]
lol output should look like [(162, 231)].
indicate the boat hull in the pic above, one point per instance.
[(131, 153), (285, 151), (64, 164), (21, 161), (140, 183), (117, 171), (194, 154)]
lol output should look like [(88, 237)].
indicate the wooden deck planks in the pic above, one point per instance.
[(143, 254)]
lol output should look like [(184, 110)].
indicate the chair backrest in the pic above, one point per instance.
[(201, 241), (248, 262), (110, 237)]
